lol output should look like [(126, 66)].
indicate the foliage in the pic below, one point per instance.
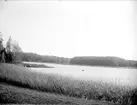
[(1, 39), (9, 45), (2, 56), (13, 51), (1, 42), (16, 47)]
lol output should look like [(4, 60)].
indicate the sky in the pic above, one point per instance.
[(72, 28)]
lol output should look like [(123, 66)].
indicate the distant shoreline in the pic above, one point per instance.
[(101, 61), (45, 66), (115, 62), (28, 65)]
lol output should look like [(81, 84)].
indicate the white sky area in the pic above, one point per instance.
[(72, 28)]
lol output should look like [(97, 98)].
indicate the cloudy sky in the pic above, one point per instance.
[(72, 28)]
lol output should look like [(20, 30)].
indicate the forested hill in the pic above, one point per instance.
[(103, 61), (108, 61), (33, 57)]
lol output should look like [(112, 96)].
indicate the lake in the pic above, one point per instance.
[(118, 76)]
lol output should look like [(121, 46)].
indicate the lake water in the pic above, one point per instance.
[(119, 76)]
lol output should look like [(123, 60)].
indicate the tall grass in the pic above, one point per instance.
[(68, 86), (10, 94)]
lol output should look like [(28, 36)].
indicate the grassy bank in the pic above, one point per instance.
[(23, 77), (18, 95)]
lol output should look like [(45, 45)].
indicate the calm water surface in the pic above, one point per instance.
[(119, 76)]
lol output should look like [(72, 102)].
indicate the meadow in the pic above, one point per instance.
[(65, 86)]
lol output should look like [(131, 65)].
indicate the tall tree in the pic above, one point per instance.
[(2, 55), (16, 51), (9, 45), (16, 47), (13, 50)]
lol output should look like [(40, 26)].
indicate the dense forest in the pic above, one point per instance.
[(33, 57), (103, 61)]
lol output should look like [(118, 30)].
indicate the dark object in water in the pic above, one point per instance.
[(82, 70)]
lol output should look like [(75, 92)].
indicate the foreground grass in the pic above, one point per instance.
[(12, 94), (22, 77)]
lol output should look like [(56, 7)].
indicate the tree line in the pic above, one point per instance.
[(103, 61), (33, 57), (13, 53)]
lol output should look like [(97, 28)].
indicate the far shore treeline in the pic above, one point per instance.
[(108, 61), (14, 54), (83, 60), (33, 57)]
